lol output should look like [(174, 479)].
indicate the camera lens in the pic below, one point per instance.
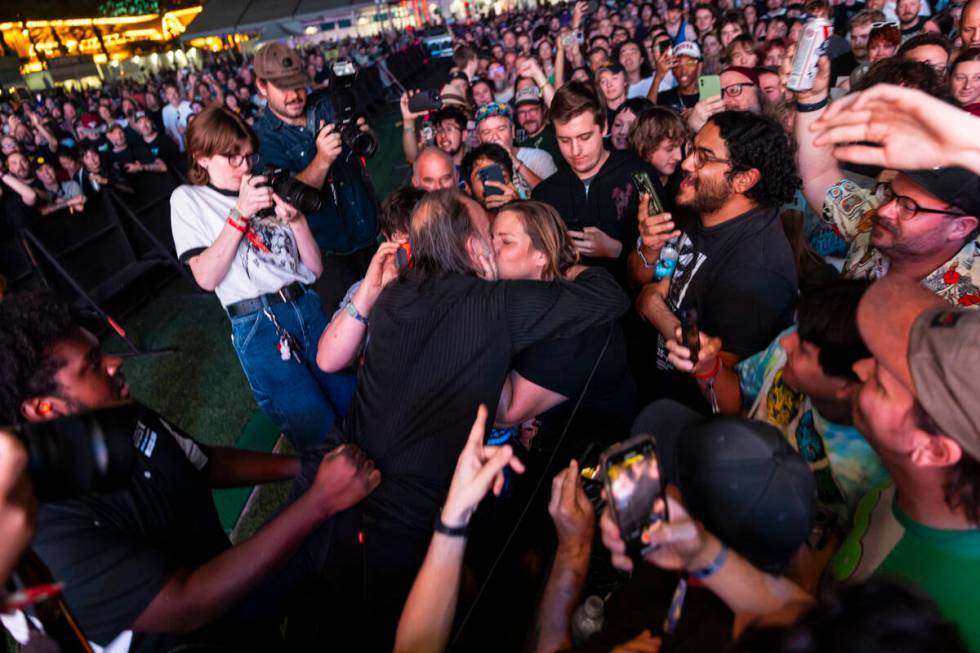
[(361, 143)]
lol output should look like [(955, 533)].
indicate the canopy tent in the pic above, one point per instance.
[(274, 18)]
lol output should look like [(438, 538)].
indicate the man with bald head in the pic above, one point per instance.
[(442, 340), (434, 170), (970, 24)]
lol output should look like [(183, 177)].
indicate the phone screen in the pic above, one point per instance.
[(491, 173), (710, 86), (635, 490)]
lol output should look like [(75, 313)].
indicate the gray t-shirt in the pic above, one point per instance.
[(197, 216)]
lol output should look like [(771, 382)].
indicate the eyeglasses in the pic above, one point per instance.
[(907, 207), (450, 127), (236, 160), (734, 90), (702, 157)]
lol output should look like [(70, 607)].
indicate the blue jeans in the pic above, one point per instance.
[(301, 399)]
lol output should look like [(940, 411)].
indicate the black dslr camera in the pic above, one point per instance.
[(342, 75), (302, 197), (90, 452)]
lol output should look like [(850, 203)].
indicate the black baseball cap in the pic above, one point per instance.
[(957, 186), (739, 477)]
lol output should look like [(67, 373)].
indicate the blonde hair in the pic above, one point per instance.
[(548, 235), (216, 130)]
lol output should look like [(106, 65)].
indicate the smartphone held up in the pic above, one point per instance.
[(635, 490)]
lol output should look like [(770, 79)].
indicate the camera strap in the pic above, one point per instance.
[(537, 488)]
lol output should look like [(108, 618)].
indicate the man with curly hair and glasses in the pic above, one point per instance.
[(735, 266)]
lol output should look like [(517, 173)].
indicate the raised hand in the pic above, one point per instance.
[(479, 468)]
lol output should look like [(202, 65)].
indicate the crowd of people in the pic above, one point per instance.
[(622, 220)]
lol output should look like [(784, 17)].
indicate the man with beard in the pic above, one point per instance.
[(303, 140), (922, 224), (529, 110), (736, 268), (450, 126)]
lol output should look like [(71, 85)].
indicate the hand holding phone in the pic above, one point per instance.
[(424, 101), (692, 335), (635, 490), (709, 86), (492, 172)]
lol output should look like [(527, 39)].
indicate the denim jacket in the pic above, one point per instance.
[(347, 220)]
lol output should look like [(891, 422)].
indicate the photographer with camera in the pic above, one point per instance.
[(316, 139), (146, 563), (257, 253)]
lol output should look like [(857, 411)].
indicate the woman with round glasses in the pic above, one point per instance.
[(257, 254)]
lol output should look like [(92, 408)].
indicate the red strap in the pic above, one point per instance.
[(240, 228), (713, 373)]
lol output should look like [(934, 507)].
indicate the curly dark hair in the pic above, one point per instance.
[(30, 324), (756, 141), (901, 72)]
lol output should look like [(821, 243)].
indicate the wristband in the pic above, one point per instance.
[(643, 259), (816, 106), (409, 128), (239, 227), (451, 531), (712, 374), (711, 569), (354, 313)]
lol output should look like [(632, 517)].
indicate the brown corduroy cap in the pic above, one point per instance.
[(280, 65)]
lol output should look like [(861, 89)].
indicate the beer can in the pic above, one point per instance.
[(813, 44)]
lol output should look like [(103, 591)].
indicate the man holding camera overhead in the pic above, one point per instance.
[(300, 133)]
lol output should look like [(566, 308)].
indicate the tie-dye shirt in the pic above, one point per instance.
[(844, 464)]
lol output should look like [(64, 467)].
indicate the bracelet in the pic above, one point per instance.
[(712, 374), (354, 313), (716, 564), (816, 106), (409, 128), (239, 227), (646, 264), (451, 531)]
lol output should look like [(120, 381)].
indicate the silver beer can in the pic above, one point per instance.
[(813, 44)]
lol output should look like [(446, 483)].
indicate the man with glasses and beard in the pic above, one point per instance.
[(735, 267), (302, 139)]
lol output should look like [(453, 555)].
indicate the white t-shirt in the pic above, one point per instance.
[(174, 118), (539, 161), (640, 89), (197, 216)]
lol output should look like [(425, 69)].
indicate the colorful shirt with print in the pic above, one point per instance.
[(944, 564), (850, 209), (843, 463)]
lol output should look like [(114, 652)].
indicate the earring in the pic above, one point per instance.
[(45, 408)]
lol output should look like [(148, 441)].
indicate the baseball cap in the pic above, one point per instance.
[(749, 73), (688, 49), (278, 64), (528, 95), (91, 122), (957, 186), (610, 67), (931, 347), (740, 477)]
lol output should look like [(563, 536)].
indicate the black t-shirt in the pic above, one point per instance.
[(163, 147), (563, 366), (118, 160), (672, 99), (740, 276), (14, 214), (116, 551), (545, 140)]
